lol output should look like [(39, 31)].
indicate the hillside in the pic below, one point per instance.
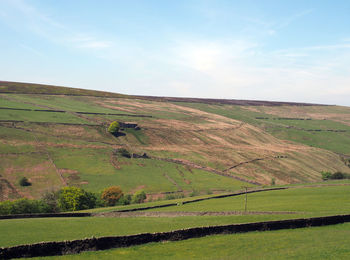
[(56, 136)]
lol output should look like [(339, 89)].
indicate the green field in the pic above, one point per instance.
[(307, 243), (24, 231), (36, 116), (325, 200), (306, 202)]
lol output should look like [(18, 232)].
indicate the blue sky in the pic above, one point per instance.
[(262, 50)]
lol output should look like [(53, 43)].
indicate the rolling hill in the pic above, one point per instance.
[(56, 136)]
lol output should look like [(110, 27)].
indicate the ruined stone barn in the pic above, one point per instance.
[(132, 125)]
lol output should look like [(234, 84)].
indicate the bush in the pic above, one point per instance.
[(334, 176), (23, 206), (24, 182), (338, 176), (111, 195), (273, 182), (173, 196), (6, 207), (51, 199), (194, 193), (125, 200), (73, 198), (139, 197), (114, 127), (326, 175)]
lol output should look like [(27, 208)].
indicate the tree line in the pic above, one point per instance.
[(71, 199)]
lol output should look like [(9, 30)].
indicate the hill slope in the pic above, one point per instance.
[(57, 136)]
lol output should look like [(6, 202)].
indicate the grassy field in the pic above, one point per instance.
[(23, 231), (306, 202), (306, 243), (36, 116), (96, 173), (317, 200), (336, 142)]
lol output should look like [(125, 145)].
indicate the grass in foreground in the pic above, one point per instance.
[(308, 202), (25, 231), (327, 242)]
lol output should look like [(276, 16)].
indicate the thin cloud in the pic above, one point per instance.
[(95, 45), (44, 26), (289, 20), (32, 50), (88, 42)]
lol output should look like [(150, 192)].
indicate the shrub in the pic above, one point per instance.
[(326, 175), (334, 176), (51, 199), (114, 127), (73, 198), (125, 200), (338, 176), (273, 182), (111, 195), (24, 182), (194, 193), (139, 197), (172, 196), (5, 207), (23, 206)]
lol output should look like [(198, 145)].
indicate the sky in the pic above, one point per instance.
[(287, 50)]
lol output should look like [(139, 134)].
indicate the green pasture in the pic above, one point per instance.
[(8, 148), (25, 231), (12, 134), (139, 135), (328, 242), (96, 172), (146, 204), (4, 102), (306, 202), (336, 142), (325, 200), (40, 116), (307, 124), (36, 167)]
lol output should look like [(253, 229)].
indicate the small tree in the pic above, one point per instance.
[(139, 197), (51, 199), (73, 198), (111, 195), (114, 128), (326, 175), (125, 200), (24, 182)]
